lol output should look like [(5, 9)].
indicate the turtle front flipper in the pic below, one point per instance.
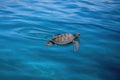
[(76, 45)]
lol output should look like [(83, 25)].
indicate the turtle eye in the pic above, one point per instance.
[(78, 34)]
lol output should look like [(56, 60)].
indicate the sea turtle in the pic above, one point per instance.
[(65, 39)]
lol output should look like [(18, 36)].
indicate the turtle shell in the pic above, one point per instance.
[(63, 38)]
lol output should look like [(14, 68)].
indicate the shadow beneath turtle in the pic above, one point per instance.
[(64, 44)]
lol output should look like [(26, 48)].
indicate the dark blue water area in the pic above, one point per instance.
[(27, 25)]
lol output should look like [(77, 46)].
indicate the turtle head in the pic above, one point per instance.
[(76, 35), (49, 43)]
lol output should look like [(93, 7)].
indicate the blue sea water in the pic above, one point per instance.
[(27, 25)]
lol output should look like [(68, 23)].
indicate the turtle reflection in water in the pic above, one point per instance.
[(65, 39)]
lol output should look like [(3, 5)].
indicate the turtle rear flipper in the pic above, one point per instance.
[(76, 45)]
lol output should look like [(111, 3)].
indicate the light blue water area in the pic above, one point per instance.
[(27, 25)]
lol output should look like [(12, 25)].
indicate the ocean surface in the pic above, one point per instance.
[(27, 25)]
